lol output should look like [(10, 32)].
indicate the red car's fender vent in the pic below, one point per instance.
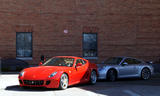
[(21, 81), (33, 82), (48, 82)]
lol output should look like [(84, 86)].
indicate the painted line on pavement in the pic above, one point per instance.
[(131, 93)]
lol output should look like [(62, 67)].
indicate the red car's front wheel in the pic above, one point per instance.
[(63, 84)]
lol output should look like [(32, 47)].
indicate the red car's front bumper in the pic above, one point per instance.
[(48, 83)]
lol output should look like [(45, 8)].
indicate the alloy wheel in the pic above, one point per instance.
[(145, 74), (111, 75), (63, 81), (93, 77)]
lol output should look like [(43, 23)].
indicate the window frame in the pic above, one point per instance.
[(133, 60), (137, 61), (90, 57), (115, 63), (24, 57), (83, 62), (127, 62)]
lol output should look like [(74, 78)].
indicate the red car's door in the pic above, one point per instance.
[(73, 76), (81, 70), (77, 73)]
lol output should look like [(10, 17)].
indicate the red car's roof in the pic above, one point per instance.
[(68, 56)]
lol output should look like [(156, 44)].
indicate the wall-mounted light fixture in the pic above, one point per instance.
[(65, 31)]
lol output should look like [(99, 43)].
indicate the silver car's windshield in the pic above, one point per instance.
[(113, 60), (59, 62)]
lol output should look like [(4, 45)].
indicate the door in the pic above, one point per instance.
[(77, 73), (127, 68), (137, 64), (81, 70)]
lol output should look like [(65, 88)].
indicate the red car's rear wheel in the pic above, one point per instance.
[(93, 77)]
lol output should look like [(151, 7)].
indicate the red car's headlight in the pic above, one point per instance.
[(21, 74), (53, 74)]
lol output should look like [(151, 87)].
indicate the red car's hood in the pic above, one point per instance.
[(42, 72)]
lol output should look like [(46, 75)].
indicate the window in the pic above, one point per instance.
[(80, 61), (59, 62), (113, 60), (136, 61), (129, 61), (132, 61), (24, 44), (89, 45)]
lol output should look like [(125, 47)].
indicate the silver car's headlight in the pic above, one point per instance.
[(53, 74), (22, 73)]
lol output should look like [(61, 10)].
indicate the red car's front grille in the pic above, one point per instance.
[(33, 82)]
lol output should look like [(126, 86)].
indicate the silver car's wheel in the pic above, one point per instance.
[(63, 84), (93, 77), (111, 75), (145, 74)]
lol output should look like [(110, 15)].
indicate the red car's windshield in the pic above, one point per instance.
[(59, 62)]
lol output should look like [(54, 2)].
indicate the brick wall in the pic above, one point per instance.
[(124, 27)]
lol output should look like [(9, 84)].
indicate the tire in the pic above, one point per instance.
[(93, 77), (63, 83), (145, 74), (111, 75)]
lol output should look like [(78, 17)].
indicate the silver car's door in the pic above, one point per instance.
[(127, 68), (137, 66)]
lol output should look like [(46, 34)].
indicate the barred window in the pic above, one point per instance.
[(89, 44), (24, 44)]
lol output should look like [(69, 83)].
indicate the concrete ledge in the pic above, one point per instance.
[(3, 73)]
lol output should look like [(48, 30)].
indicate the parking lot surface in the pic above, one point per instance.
[(9, 86)]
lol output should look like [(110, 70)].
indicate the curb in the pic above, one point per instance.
[(3, 73)]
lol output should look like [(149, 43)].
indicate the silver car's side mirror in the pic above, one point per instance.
[(149, 62), (125, 63)]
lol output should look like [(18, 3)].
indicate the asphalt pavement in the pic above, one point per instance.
[(9, 86)]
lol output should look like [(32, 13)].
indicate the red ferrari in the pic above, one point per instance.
[(59, 72)]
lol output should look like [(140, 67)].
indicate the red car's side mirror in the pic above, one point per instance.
[(40, 63), (78, 64)]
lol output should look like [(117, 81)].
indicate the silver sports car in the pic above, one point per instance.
[(124, 67)]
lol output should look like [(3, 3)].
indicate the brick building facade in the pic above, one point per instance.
[(58, 27)]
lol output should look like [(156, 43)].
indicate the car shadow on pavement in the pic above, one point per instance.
[(132, 81), (102, 87), (18, 88)]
